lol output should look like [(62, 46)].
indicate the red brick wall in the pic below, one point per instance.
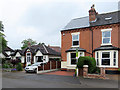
[(86, 39), (97, 35), (66, 41)]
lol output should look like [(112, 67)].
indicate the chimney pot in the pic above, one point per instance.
[(92, 13)]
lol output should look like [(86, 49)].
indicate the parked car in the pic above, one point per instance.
[(32, 68)]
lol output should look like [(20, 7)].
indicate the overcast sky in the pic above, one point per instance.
[(42, 20)]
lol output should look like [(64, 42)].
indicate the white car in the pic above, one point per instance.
[(32, 68)]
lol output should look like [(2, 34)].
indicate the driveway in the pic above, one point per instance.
[(30, 80), (62, 73)]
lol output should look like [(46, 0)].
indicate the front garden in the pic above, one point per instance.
[(86, 67), (11, 65)]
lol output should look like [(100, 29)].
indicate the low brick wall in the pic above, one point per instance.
[(84, 72)]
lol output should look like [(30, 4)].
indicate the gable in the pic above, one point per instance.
[(39, 53), (17, 54)]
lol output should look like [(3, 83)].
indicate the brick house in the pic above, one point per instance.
[(96, 35)]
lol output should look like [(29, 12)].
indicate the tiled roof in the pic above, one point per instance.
[(101, 19), (110, 47), (45, 50), (8, 49), (56, 48), (77, 23), (20, 51)]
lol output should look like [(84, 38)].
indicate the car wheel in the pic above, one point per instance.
[(26, 71), (36, 70)]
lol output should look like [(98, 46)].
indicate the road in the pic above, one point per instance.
[(23, 80)]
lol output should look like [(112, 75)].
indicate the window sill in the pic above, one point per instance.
[(106, 44), (75, 46), (107, 66), (71, 65)]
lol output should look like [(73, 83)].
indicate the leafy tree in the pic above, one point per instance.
[(1, 26), (3, 42), (27, 42)]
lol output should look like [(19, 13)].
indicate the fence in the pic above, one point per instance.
[(52, 64)]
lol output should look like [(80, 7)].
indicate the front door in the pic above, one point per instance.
[(28, 58)]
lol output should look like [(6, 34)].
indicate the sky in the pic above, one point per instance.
[(42, 20)]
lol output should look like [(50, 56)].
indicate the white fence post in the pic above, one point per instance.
[(56, 64), (37, 70), (77, 72)]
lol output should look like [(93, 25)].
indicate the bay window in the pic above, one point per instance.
[(108, 58), (73, 58), (114, 59), (97, 58), (105, 58)]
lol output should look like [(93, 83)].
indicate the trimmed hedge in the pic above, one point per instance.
[(86, 60)]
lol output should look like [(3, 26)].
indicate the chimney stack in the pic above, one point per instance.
[(92, 14)]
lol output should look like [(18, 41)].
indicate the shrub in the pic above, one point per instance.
[(14, 62), (19, 67), (5, 65), (90, 61), (119, 69), (29, 64), (2, 60)]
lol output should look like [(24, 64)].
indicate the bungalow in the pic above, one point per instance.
[(96, 35), (36, 54)]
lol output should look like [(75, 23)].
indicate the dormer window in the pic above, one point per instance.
[(106, 36), (108, 18), (75, 39)]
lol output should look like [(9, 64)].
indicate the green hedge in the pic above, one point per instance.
[(86, 60), (19, 67)]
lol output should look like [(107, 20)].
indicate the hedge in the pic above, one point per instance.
[(19, 67), (86, 60)]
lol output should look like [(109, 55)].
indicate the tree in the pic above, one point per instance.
[(3, 42), (1, 26), (27, 42)]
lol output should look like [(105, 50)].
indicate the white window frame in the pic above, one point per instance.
[(111, 58), (114, 58), (76, 33), (28, 56), (106, 58), (97, 58), (72, 58), (69, 58), (104, 30)]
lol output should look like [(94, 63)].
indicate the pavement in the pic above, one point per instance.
[(51, 80)]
